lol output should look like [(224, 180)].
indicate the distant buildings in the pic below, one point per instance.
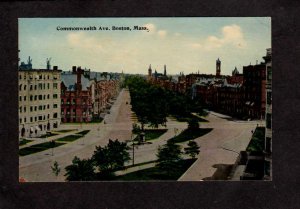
[(238, 95), (87, 95), (39, 99)]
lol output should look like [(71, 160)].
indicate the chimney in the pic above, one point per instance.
[(55, 68), (79, 72), (74, 69)]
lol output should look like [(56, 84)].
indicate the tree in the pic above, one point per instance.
[(168, 156), (193, 124), (55, 168), (111, 157), (80, 170), (148, 110), (136, 129), (192, 149)]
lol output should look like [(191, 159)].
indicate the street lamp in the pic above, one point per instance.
[(99, 131), (52, 145)]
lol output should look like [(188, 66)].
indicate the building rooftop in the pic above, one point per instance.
[(70, 79)]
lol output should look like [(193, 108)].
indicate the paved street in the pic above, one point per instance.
[(220, 146)]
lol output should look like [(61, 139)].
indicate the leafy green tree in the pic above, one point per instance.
[(111, 157), (80, 170), (193, 149), (193, 124), (168, 157), (148, 110)]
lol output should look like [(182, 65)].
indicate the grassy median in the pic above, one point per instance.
[(38, 148), (190, 134), (156, 174)]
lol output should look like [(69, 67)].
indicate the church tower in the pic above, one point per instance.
[(218, 68), (149, 72), (165, 70)]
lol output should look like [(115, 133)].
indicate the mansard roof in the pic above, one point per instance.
[(70, 80)]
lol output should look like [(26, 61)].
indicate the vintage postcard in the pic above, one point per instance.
[(145, 99)]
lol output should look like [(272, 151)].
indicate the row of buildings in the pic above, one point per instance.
[(240, 95), (48, 97)]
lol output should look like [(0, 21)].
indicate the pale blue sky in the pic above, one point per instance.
[(183, 44)]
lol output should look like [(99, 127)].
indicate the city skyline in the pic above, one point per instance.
[(184, 45)]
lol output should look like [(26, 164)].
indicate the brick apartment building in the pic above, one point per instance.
[(87, 95), (76, 97), (255, 90)]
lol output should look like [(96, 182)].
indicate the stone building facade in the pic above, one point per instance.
[(39, 100)]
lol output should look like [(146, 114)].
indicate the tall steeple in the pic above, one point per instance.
[(165, 70), (218, 68), (149, 72)]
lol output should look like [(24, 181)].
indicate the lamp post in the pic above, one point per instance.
[(52, 144), (99, 131)]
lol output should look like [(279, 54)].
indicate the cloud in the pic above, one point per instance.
[(151, 27), (162, 33), (153, 30), (177, 34), (232, 35), (81, 40), (214, 42), (195, 45)]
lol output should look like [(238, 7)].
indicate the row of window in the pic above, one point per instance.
[(269, 97), (268, 120), (40, 77), (40, 86), (72, 102), (38, 118), (74, 111), (269, 73), (38, 97), (36, 108)]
